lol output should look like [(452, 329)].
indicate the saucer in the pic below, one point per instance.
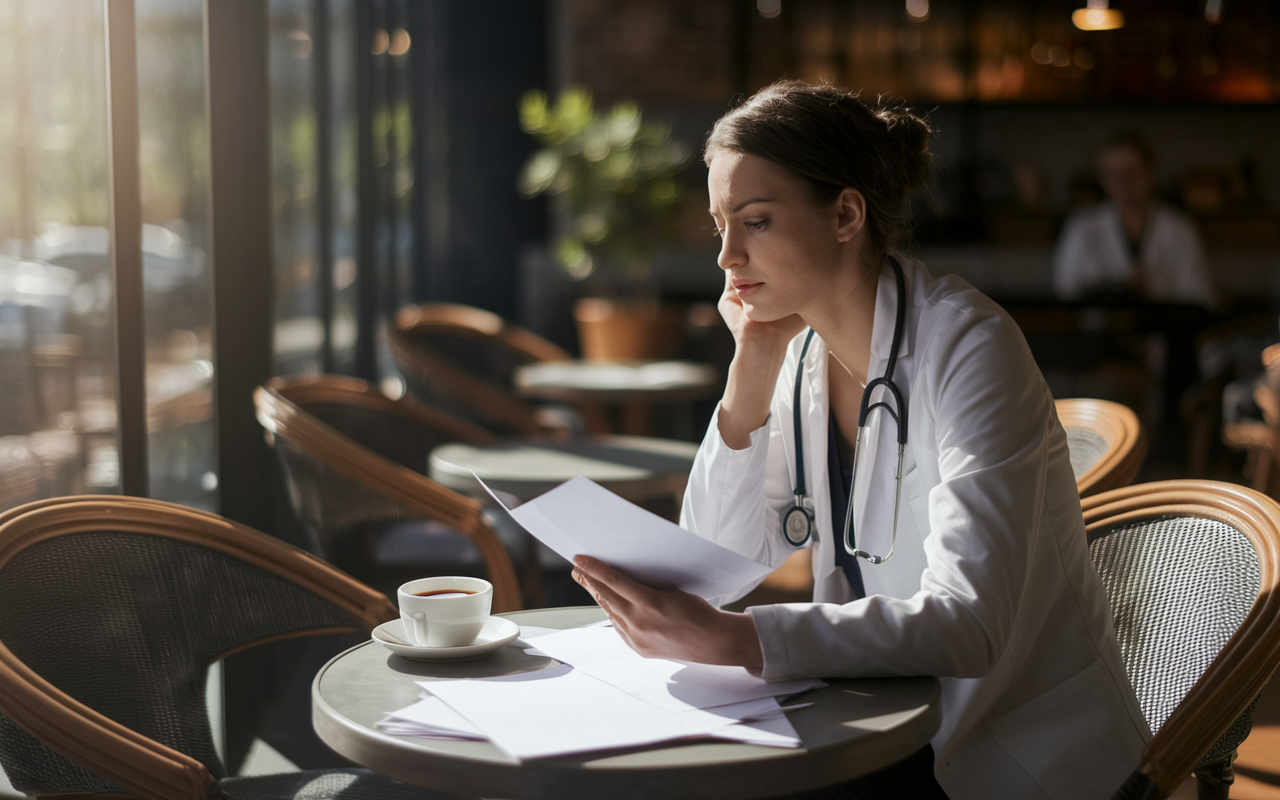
[(497, 632)]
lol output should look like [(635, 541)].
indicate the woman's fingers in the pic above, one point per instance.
[(612, 603), (604, 574)]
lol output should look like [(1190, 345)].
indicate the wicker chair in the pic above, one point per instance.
[(352, 456), (114, 608), (1106, 441), (1261, 439), (1191, 569), (462, 359)]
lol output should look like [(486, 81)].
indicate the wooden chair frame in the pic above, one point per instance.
[(1240, 671), (1119, 428), (486, 397), (280, 408), (96, 742)]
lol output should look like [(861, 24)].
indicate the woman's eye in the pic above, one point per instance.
[(757, 225)]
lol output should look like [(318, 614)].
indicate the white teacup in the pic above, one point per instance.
[(446, 611)]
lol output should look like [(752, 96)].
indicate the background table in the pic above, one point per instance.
[(634, 467), (634, 386), (854, 727)]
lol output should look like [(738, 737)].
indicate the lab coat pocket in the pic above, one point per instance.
[(1057, 736)]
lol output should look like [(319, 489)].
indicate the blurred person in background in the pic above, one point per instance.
[(1130, 245)]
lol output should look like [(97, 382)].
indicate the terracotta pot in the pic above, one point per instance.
[(614, 330)]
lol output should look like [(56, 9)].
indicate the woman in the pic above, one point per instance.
[(987, 582)]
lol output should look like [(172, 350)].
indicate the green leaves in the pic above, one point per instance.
[(617, 173)]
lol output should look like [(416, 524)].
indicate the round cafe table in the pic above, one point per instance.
[(633, 467), (854, 727), (633, 385)]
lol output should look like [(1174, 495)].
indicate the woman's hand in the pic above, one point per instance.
[(767, 337), (669, 623), (760, 349)]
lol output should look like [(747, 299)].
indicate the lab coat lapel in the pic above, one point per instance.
[(877, 463)]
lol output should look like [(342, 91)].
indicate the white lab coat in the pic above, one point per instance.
[(1093, 253), (990, 589)]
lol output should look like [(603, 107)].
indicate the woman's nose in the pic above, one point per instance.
[(731, 254)]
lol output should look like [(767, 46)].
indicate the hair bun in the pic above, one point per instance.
[(910, 133)]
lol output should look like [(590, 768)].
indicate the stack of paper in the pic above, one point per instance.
[(605, 700), (603, 695)]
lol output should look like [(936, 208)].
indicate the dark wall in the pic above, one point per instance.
[(491, 53)]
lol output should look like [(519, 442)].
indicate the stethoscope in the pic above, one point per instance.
[(797, 525)]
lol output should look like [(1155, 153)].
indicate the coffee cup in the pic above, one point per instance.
[(446, 611)]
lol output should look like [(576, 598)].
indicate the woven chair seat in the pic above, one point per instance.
[(1174, 613), (114, 608), (1106, 442), (1190, 569), (336, 784)]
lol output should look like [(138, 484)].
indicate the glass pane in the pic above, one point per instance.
[(57, 396), (174, 155), (344, 207), (299, 327)]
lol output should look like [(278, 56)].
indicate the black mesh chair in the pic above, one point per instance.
[(1106, 441), (114, 608), (463, 359), (353, 456), (1190, 569)]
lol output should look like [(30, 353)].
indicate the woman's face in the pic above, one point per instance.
[(783, 253)]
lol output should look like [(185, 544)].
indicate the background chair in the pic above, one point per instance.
[(352, 457), (1191, 570), (1106, 441), (1260, 439), (462, 359), (114, 609)]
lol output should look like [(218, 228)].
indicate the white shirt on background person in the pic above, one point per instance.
[(1093, 253)]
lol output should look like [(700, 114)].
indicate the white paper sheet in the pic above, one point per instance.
[(581, 517), (670, 685), (433, 718), (561, 710)]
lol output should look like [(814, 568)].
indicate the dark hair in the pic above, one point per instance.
[(1130, 139), (832, 140)]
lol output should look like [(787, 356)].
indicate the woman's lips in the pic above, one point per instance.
[(745, 288)]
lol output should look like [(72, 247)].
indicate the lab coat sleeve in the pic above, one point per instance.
[(736, 498), (992, 415)]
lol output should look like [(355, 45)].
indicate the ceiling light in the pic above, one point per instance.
[(1097, 16)]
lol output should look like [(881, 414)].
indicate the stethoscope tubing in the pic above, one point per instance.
[(799, 519)]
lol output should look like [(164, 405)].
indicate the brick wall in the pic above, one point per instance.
[(652, 51)]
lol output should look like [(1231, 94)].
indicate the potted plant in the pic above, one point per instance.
[(617, 178)]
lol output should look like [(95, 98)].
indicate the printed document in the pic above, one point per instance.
[(581, 517)]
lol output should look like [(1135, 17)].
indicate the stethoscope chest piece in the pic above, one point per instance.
[(797, 526)]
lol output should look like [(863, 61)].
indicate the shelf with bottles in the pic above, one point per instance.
[(1003, 51)]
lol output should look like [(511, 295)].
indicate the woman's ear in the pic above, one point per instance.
[(851, 214)]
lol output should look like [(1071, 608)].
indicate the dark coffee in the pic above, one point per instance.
[(435, 592)]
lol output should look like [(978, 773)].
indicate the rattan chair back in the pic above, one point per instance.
[(114, 608), (1191, 571), (352, 455), (463, 360), (1106, 441)]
